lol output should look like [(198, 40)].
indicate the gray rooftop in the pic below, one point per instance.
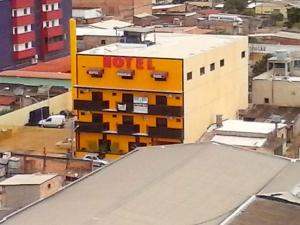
[(179, 185)]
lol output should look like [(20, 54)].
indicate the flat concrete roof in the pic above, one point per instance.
[(176, 184), (248, 127), (27, 179), (239, 141), (269, 76), (111, 24), (168, 45)]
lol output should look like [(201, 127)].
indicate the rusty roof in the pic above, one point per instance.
[(264, 112), (7, 100), (268, 212), (35, 74), (62, 65)]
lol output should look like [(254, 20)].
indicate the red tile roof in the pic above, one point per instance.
[(35, 74), (62, 65), (7, 100)]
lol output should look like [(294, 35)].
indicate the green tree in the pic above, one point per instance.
[(293, 15), (235, 6), (261, 66)]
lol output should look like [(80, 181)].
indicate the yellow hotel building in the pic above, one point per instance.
[(157, 92)]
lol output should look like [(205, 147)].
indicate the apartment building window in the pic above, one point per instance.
[(103, 42), (14, 13), (97, 96), (212, 66), (243, 54), (128, 120), (161, 122), (127, 98), (25, 11), (15, 30), (222, 62), (202, 70), (97, 118), (266, 100), (161, 100), (297, 63), (189, 75)]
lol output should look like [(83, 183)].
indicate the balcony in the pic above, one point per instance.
[(53, 31), (51, 47), (24, 38), (128, 128), (164, 132), (125, 107), (164, 110), (50, 1), (52, 15), (18, 4), (25, 53), (96, 106), (22, 20), (91, 127)]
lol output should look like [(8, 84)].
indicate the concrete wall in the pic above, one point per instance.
[(222, 91), (89, 42), (280, 93), (50, 187), (20, 117), (18, 196)]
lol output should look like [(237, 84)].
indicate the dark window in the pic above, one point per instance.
[(177, 98), (243, 54), (103, 42), (54, 39), (161, 100), (82, 113), (266, 100), (189, 75), (178, 120), (49, 186), (97, 118), (222, 62), (161, 122), (114, 116), (212, 66), (128, 120), (202, 70), (114, 94), (97, 96), (127, 98)]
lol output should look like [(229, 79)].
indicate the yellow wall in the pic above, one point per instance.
[(142, 79), (270, 8), (21, 117), (222, 91)]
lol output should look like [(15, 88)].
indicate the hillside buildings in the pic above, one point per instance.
[(280, 84), (33, 30), (122, 9), (156, 88)]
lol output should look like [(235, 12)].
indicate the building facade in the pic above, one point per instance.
[(280, 84), (155, 93), (33, 30), (123, 9)]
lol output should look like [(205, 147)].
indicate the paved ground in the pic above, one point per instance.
[(34, 139)]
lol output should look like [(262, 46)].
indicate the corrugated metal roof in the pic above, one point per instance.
[(165, 185), (62, 65), (7, 100), (35, 74)]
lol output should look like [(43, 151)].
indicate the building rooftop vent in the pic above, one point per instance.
[(139, 35)]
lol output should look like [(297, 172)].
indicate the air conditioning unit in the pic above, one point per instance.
[(35, 59)]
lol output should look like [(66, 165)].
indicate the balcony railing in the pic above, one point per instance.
[(164, 132), (18, 4), (164, 110), (52, 15), (55, 46), (24, 38), (128, 128), (53, 31), (125, 107), (27, 53), (91, 127), (96, 106)]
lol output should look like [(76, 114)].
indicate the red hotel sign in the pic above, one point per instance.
[(128, 63)]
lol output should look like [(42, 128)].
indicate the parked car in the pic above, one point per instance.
[(57, 121), (65, 144), (95, 159)]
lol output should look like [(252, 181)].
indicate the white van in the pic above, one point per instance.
[(53, 121)]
